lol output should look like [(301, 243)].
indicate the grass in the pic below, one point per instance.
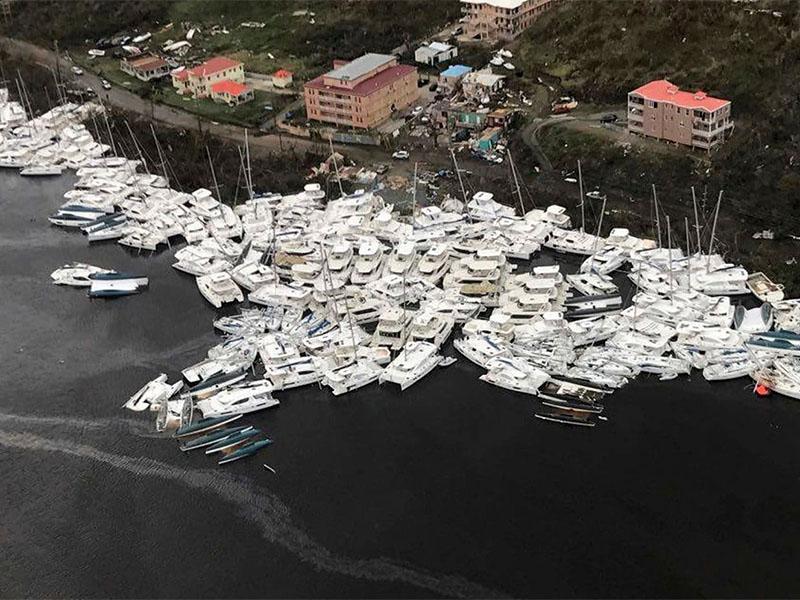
[(249, 114)]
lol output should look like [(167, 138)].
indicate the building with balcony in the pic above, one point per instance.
[(661, 110), (145, 67), (501, 20), (198, 81), (362, 93)]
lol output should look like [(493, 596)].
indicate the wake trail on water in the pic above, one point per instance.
[(264, 510), (138, 428)]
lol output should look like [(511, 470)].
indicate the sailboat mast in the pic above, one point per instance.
[(248, 172), (213, 174), (658, 218), (160, 154), (460, 183), (516, 182), (336, 167), (688, 256), (713, 232), (580, 189), (669, 250), (696, 220)]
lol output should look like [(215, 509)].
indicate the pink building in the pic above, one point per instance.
[(199, 80), (362, 93), (659, 109), (501, 20)]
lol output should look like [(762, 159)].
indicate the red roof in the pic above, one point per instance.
[(662, 90), (181, 75), (226, 86), (213, 65), (146, 63), (282, 74), (368, 86)]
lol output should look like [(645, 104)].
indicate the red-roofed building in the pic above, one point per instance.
[(144, 67), (661, 110), (362, 93), (231, 92), (282, 78), (198, 80)]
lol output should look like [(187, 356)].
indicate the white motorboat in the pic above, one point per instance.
[(515, 374), (393, 328), (416, 360), (219, 288), (241, 398), (76, 274)]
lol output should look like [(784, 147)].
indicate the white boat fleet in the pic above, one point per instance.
[(346, 292)]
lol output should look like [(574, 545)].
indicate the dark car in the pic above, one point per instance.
[(433, 87), (609, 118)]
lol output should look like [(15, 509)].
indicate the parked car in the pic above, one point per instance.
[(609, 118), (401, 155), (433, 87), (417, 110), (381, 168), (105, 84), (77, 71)]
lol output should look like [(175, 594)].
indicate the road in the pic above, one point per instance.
[(125, 100), (530, 132)]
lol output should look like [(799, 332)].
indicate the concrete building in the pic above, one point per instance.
[(479, 85), (282, 78), (197, 81), (435, 53), (501, 20), (231, 92), (451, 77), (144, 67), (659, 109), (362, 93)]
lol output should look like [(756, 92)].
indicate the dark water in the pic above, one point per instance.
[(449, 489)]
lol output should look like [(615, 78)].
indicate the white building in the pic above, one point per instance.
[(435, 53), (481, 84)]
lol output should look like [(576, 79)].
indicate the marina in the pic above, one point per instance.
[(550, 344)]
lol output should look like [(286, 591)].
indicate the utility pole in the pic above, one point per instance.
[(580, 188)]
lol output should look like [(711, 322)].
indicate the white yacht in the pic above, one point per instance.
[(393, 328), (483, 207), (368, 263), (434, 263), (351, 376), (416, 360), (76, 274), (432, 327), (480, 349), (402, 260), (219, 288), (515, 374), (239, 399), (152, 394)]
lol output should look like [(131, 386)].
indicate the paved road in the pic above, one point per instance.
[(121, 98), (530, 132)]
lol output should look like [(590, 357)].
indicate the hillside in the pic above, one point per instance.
[(305, 42), (598, 51)]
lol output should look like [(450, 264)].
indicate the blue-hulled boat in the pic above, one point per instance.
[(204, 425), (233, 440), (245, 451), (212, 438)]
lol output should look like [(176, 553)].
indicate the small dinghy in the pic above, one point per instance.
[(447, 361)]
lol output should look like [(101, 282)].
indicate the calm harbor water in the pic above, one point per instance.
[(449, 489)]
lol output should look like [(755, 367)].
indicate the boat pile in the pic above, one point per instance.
[(102, 283), (346, 292)]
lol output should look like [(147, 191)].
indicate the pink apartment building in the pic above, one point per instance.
[(501, 20), (362, 93), (659, 109)]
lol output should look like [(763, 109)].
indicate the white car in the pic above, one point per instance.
[(77, 71), (401, 155), (105, 84), (417, 110)]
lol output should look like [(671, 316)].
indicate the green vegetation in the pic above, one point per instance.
[(747, 52), (249, 114), (301, 42)]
